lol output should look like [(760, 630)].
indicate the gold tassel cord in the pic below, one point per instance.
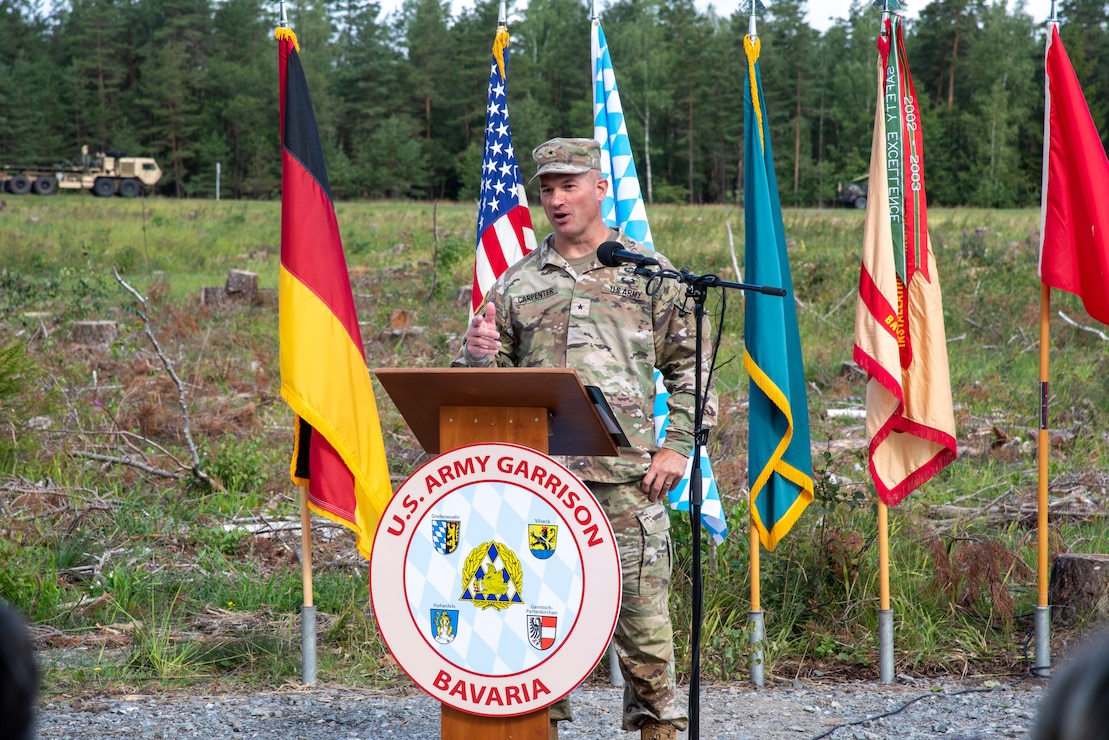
[(287, 33), (752, 46), (500, 43)]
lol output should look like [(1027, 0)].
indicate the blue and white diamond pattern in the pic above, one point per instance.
[(712, 508), (623, 205), (490, 641)]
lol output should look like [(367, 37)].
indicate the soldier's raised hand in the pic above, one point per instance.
[(482, 337)]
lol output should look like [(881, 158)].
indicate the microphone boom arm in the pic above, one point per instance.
[(704, 282)]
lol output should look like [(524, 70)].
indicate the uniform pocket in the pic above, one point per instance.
[(655, 554)]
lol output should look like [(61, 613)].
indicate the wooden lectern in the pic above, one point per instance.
[(546, 409)]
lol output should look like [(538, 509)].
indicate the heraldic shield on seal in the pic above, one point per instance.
[(492, 577), (444, 533), (495, 579)]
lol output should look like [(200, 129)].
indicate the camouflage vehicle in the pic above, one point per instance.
[(853, 194), (105, 174)]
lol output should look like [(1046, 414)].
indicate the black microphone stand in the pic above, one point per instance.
[(697, 287)]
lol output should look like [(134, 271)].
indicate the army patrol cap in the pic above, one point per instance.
[(567, 157)]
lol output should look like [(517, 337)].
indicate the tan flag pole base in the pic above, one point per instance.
[(308, 645), (885, 645), (758, 635), (615, 676), (1042, 616)]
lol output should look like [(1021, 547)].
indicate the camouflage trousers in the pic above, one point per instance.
[(644, 638)]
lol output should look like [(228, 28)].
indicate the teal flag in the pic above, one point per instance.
[(779, 461)]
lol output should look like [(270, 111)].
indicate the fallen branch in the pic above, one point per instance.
[(1077, 505), (839, 305), (132, 463), (1101, 335), (196, 470), (128, 436), (731, 246), (964, 513)]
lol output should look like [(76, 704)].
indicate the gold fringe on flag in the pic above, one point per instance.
[(752, 46), (500, 43), (287, 33)]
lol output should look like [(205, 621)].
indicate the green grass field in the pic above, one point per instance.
[(113, 544)]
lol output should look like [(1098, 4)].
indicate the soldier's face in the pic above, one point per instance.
[(572, 202)]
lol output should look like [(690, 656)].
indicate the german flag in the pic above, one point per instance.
[(338, 451)]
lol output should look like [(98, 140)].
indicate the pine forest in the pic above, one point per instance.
[(400, 96)]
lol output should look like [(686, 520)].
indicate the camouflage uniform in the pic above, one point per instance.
[(603, 322)]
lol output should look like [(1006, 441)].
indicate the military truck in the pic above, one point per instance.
[(853, 194), (105, 174)]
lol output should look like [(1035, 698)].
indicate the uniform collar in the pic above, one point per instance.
[(549, 256)]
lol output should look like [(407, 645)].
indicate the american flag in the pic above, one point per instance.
[(504, 231)]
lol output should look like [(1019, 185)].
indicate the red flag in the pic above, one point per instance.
[(899, 330), (1074, 214), (339, 451)]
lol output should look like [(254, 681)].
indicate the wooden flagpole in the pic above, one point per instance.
[(615, 676), (1042, 620), (885, 613), (755, 616), (308, 609), (1042, 610)]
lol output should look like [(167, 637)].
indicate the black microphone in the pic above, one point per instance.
[(611, 254)]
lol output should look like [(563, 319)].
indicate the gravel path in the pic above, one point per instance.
[(798, 711)]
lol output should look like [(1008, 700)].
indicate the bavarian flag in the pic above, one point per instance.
[(779, 461), (338, 451), (899, 331)]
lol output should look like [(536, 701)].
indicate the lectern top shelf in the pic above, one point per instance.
[(577, 427)]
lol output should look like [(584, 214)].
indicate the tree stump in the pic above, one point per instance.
[(400, 318), (242, 286), (1079, 589), (212, 295), (400, 324), (93, 333)]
